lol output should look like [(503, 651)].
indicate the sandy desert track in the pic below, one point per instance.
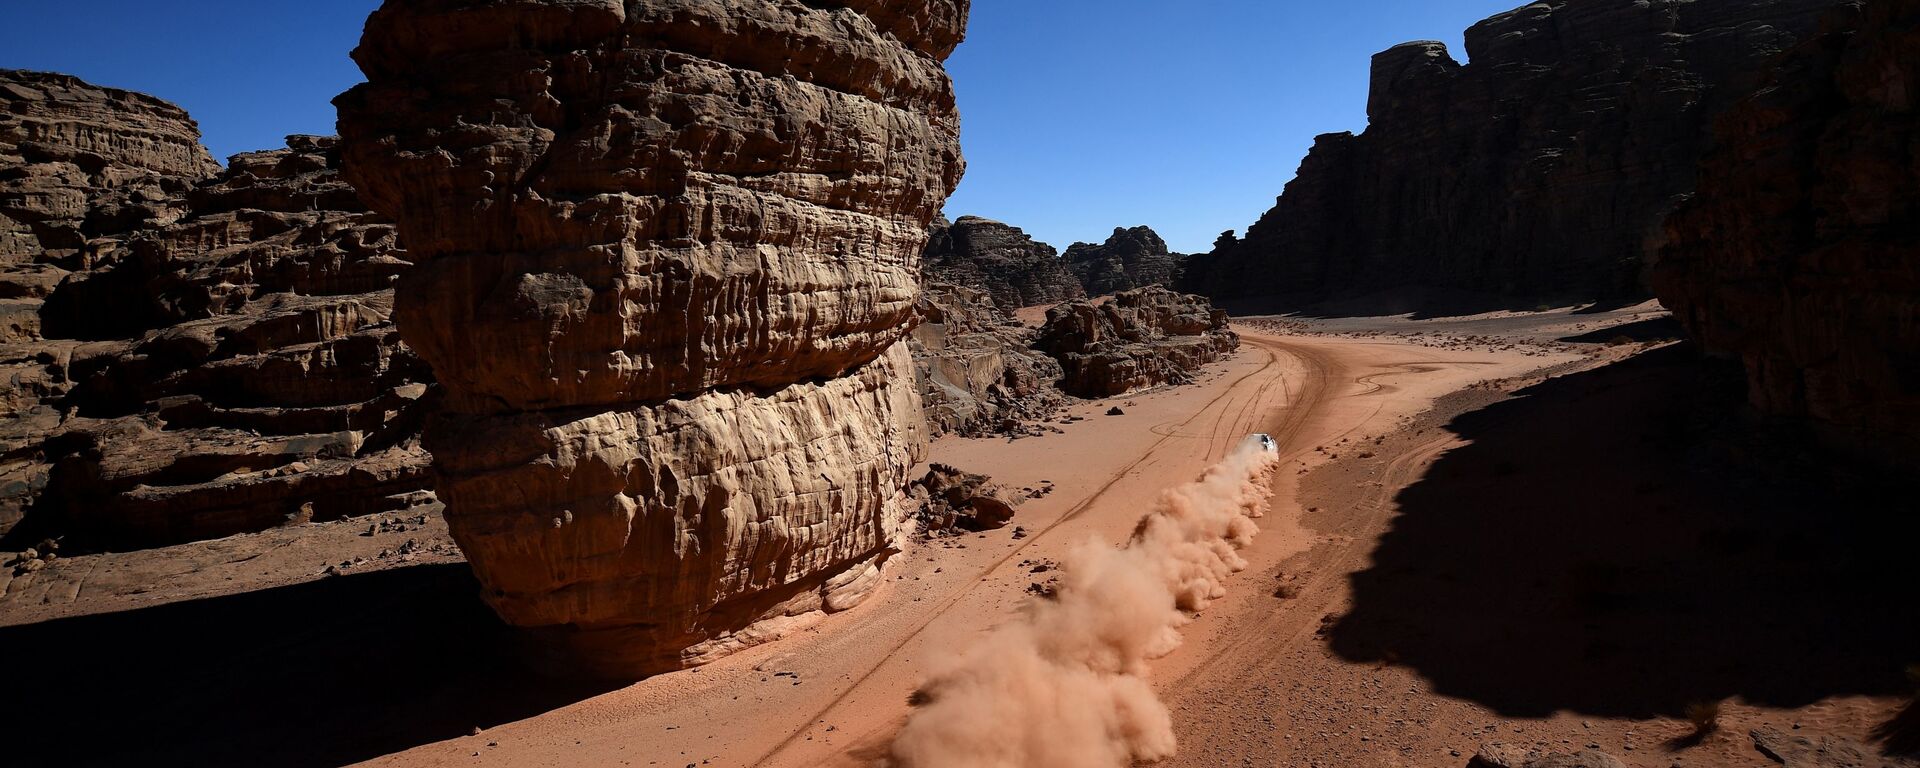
[(835, 693)]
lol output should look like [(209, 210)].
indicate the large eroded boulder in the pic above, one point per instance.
[(1800, 254), (667, 255)]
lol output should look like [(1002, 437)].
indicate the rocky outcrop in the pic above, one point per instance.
[(78, 162), (952, 501), (1800, 253), (194, 352), (1131, 258), (232, 370), (1141, 338), (977, 370), (1002, 260), (1537, 172), (667, 257)]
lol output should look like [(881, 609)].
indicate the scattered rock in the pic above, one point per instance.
[(954, 501), (1115, 411), (1514, 756), (1795, 751)]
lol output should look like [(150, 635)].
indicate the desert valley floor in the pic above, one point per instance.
[(1382, 622)]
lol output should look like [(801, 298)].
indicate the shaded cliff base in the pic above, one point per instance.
[(1414, 302)]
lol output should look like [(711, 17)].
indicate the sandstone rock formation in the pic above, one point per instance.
[(1800, 253), (1129, 259), (978, 372), (1002, 260), (232, 370), (667, 256), (190, 356), (1537, 172), (1141, 338), (77, 162)]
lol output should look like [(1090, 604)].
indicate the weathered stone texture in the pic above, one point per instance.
[(1141, 338), (667, 255), (978, 372), (1800, 253), (1537, 172), (982, 254), (194, 352), (1129, 259), (229, 371)]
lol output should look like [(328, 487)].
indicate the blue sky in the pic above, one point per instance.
[(1079, 115)]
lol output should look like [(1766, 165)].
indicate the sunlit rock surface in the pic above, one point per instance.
[(1141, 338), (667, 254)]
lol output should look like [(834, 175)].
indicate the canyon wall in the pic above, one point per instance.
[(1129, 259), (986, 255), (1538, 172), (666, 258), (1800, 252), (193, 352)]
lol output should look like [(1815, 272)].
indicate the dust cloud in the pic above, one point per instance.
[(1064, 683)]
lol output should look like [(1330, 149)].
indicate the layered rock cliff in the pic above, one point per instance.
[(1536, 172), (1141, 338), (1800, 252), (667, 255), (978, 372), (78, 162), (229, 371), (1002, 260), (195, 352), (1129, 259)]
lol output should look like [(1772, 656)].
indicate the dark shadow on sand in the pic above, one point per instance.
[(1418, 303), (1662, 328), (1630, 540), (323, 673)]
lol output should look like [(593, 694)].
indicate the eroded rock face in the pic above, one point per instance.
[(667, 255), (1141, 338), (1538, 172), (1002, 260), (1129, 259), (978, 372), (232, 370), (1800, 253), (194, 352), (78, 162)]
